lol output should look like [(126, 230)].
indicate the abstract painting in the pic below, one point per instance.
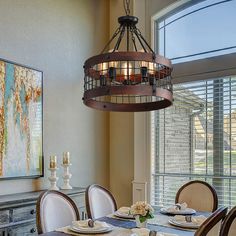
[(21, 137)]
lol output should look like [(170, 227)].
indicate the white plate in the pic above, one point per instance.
[(188, 225), (123, 215), (188, 211), (92, 231)]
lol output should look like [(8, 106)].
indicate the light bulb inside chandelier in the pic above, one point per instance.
[(130, 80), (127, 71)]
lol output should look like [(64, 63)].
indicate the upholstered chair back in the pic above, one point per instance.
[(211, 227), (99, 202), (228, 227), (199, 195), (55, 210)]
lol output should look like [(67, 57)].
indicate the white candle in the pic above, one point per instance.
[(53, 162), (66, 158)]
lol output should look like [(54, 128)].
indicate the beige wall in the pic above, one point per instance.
[(56, 36), (121, 156)]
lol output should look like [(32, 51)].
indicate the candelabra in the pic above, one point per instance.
[(66, 177), (53, 178)]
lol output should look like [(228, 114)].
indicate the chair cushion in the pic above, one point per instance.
[(232, 229), (56, 212), (198, 196), (101, 204), (215, 230)]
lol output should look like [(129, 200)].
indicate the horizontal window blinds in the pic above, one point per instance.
[(196, 139)]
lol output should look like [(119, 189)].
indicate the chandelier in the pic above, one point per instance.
[(133, 80)]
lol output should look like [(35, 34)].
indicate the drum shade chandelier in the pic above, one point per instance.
[(128, 81)]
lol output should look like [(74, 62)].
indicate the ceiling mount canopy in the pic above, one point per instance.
[(132, 80)]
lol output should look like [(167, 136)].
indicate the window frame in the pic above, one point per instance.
[(186, 5), (210, 67)]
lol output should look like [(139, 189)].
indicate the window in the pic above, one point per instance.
[(203, 30), (196, 137)]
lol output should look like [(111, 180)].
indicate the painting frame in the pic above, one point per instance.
[(41, 159)]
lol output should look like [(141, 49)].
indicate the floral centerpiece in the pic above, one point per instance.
[(142, 211)]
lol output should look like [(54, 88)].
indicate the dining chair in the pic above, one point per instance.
[(211, 226), (54, 210), (199, 195), (99, 201), (228, 228)]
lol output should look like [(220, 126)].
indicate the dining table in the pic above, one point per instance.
[(123, 227)]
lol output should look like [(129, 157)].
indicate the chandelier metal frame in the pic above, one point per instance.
[(131, 80)]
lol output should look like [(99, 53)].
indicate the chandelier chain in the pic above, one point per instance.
[(133, 39), (118, 30), (138, 34), (126, 4), (122, 32), (139, 39)]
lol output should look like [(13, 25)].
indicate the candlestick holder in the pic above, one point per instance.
[(53, 179), (66, 177)]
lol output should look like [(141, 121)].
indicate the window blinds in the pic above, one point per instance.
[(196, 139)]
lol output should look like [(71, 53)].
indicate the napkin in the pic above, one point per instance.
[(124, 210), (180, 218), (198, 220), (84, 224), (177, 207)]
